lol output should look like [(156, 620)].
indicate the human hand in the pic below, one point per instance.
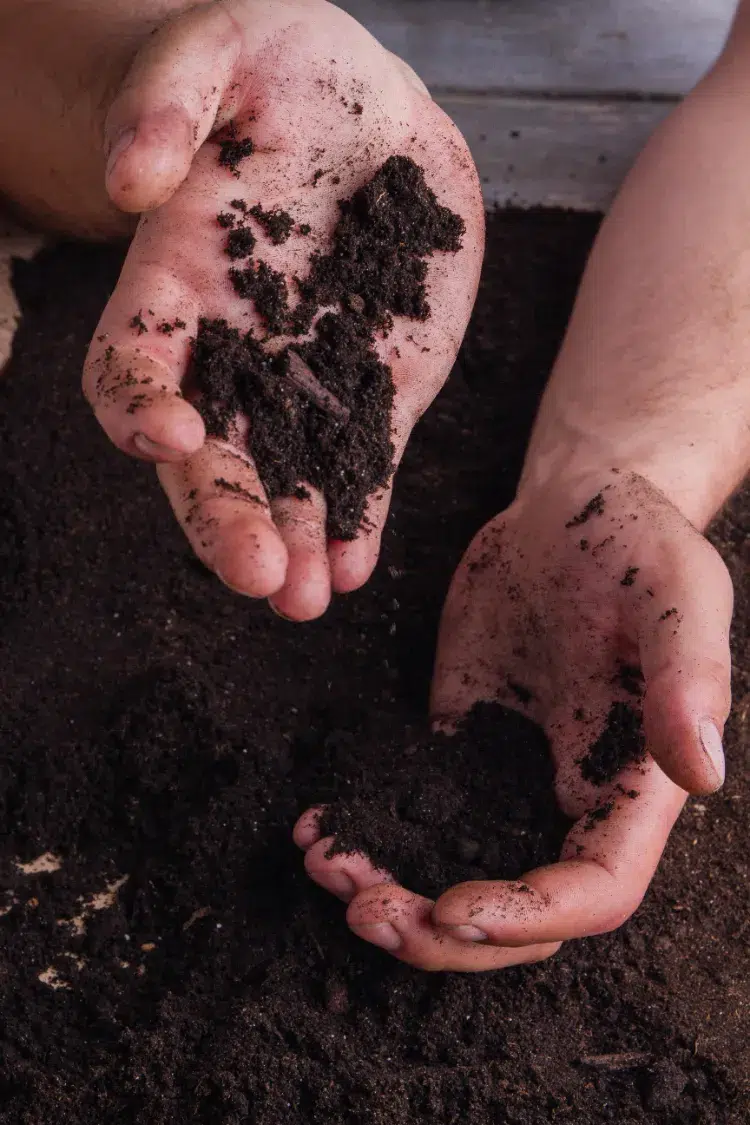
[(552, 611), (314, 91)]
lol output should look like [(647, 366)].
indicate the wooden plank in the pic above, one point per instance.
[(554, 153), (658, 47)]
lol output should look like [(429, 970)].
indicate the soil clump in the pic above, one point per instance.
[(376, 270)]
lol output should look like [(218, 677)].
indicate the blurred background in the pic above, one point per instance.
[(555, 97)]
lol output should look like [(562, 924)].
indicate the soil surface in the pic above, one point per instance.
[(376, 270), (160, 736)]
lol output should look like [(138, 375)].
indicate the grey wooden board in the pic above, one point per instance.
[(621, 46), (584, 82), (567, 153)]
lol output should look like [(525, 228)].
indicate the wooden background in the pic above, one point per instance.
[(582, 82)]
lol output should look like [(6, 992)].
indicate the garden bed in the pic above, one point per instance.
[(160, 736)]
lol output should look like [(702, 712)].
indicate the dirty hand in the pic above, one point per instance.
[(559, 605), (315, 93)]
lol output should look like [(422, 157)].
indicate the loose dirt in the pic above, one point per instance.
[(157, 729)]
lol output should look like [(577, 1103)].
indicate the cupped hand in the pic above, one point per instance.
[(577, 598), (324, 105)]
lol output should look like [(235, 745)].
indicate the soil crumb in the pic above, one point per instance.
[(595, 507), (268, 289), (277, 224), (477, 805), (232, 152), (240, 244)]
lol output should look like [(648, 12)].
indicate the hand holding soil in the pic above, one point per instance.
[(588, 608), (242, 130)]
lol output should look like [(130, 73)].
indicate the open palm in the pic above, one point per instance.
[(575, 603), (325, 106)]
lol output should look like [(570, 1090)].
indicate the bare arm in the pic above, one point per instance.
[(654, 373)]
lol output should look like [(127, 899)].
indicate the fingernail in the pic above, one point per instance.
[(712, 745), (278, 612), (120, 145), (229, 586), (336, 882), (154, 449), (380, 933), (465, 933)]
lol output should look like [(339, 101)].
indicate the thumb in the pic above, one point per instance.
[(685, 658), (177, 91)]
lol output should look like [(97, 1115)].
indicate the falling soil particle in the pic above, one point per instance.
[(209, 732)]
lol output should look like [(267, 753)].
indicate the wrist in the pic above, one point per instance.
[(695, 464)]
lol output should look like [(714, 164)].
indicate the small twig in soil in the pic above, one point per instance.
[(626, 1060), (202, 912), (304, 380)]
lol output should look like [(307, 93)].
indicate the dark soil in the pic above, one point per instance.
[(492, 815), (267, 288), (240, 243), (156, 726), (376, 270), (277, 224), (232, 152), (621, 743)]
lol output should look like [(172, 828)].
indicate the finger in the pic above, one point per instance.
[(352, 563), (307, 829), (137, 400), (683, 633), (400, 922), (344, 874), (171, 100), (222, 508), (606, 866), (306, 592)]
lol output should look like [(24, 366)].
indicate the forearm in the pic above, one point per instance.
[(654, 374), (61, 62)]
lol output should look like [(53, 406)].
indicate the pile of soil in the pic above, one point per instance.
[(160, 736), (337, 438), (477, 805)]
